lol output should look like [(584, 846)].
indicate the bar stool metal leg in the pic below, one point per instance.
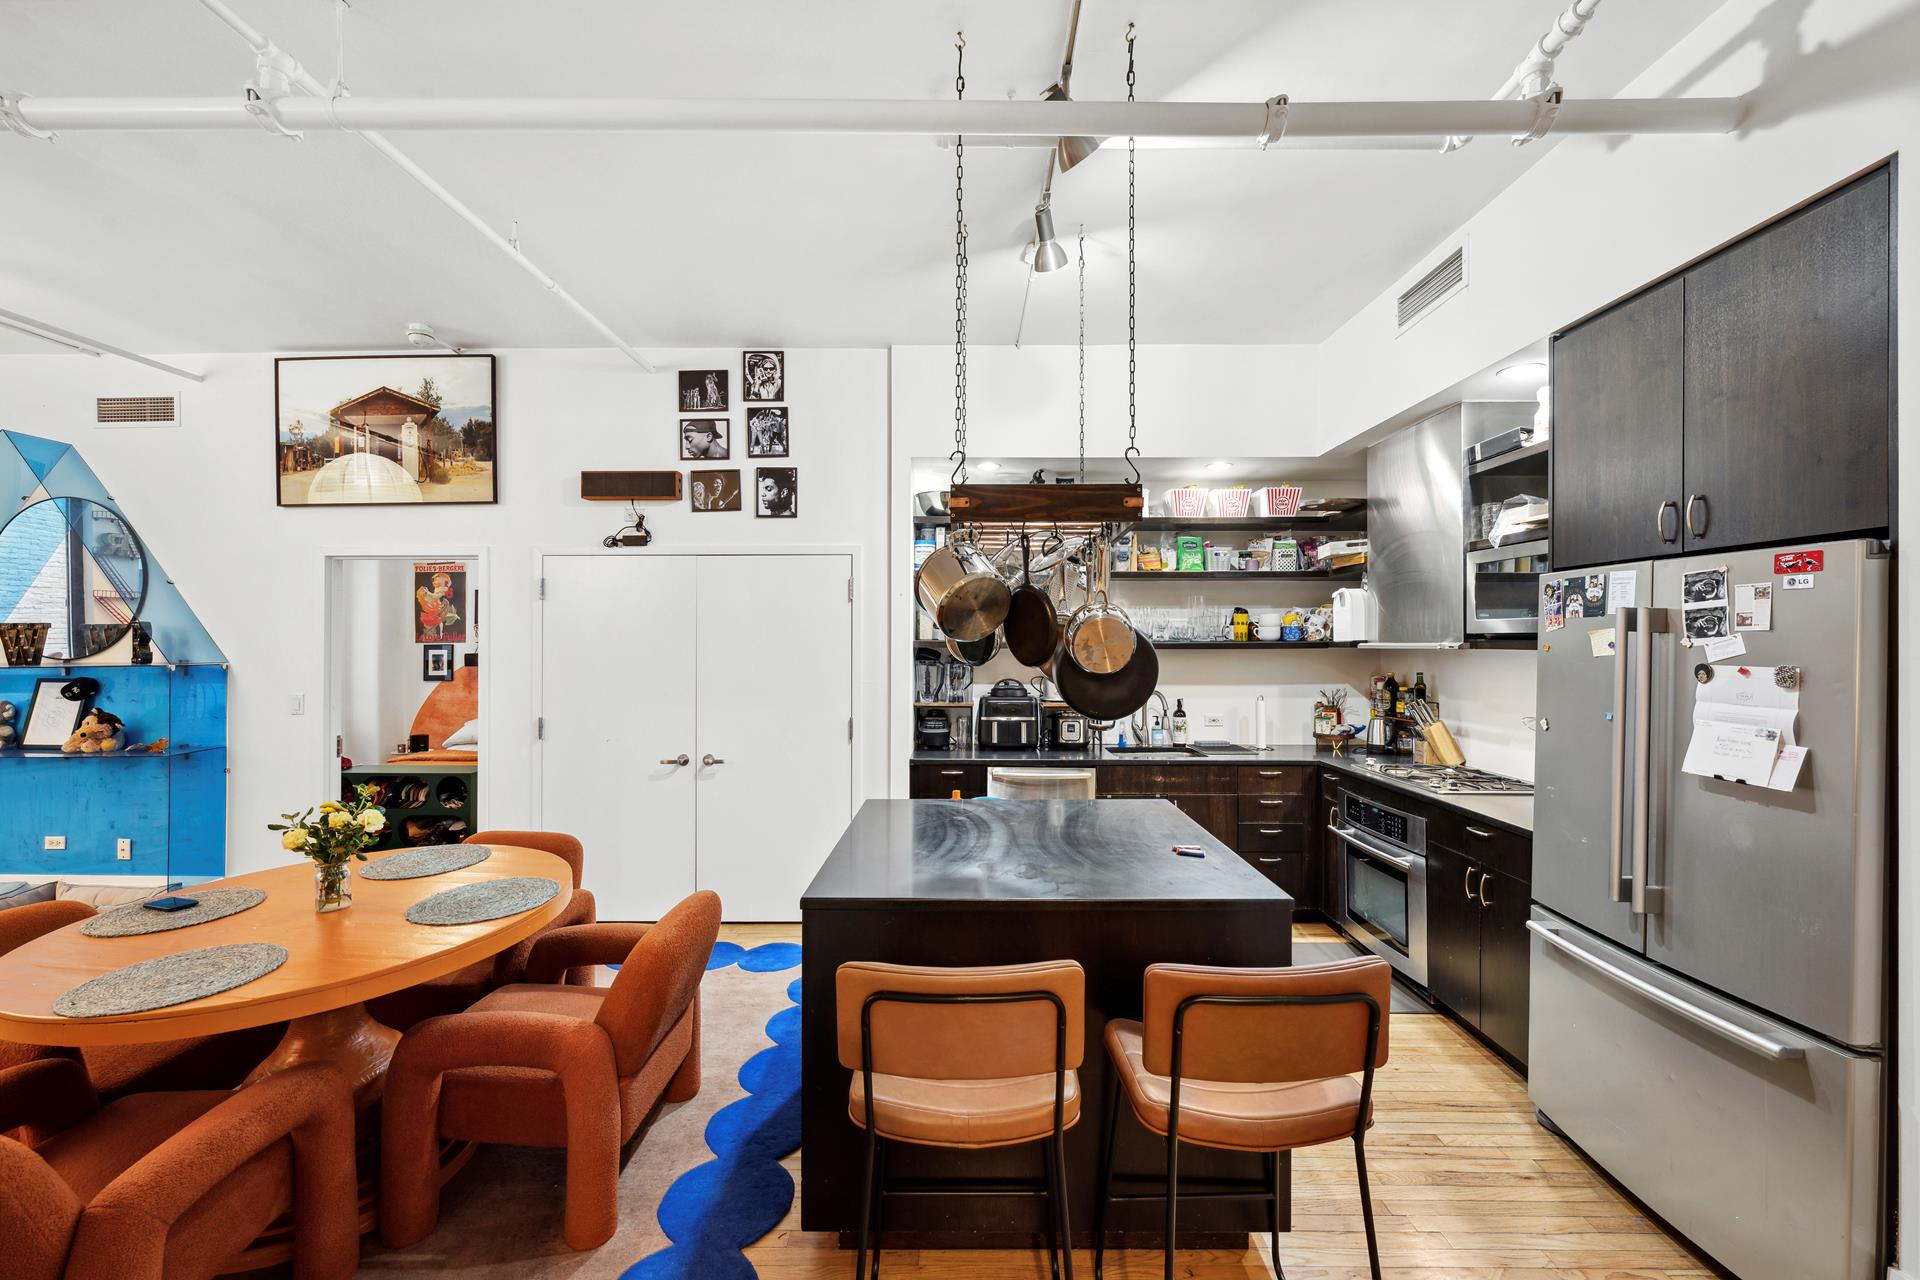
[(1173, 1185), (1366, 1205), (866, 1214), (1107, 1139), (1273, 1210), (1066, 1216), (1053, 1209), (879, 1209)]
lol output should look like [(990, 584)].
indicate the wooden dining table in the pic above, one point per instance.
[(336, 962)]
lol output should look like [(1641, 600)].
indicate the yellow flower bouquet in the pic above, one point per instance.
[(333, 835)]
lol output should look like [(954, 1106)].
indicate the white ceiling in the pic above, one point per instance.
[(223, 241)]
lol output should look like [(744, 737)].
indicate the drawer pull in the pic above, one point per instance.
[(1272, 803), (1484, 835), (953, 773), (1273, 773), (1269, 859), (1269, 831)]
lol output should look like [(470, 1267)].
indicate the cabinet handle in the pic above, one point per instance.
[(1271, 803), (953, 773), (1267, 859), (1272, 773), (711, 760), (1467, 884), (1701, 499), (1484, 835), (1660, 520), (679, 761), (1485, 901), (1268, 831)]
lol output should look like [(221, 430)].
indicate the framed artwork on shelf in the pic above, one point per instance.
[(52, 716), (763, 376), (705, 439), (384, 430), (703, 391), (436, 662), (767, 432), (776, 492), (716, 490)]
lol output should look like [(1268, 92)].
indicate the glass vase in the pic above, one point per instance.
[(332, 886)]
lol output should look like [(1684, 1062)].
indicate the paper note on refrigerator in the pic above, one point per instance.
[(1742, 719), (1786, 770), (1623, 589)]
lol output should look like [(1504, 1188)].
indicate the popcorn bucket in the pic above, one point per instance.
[(1280, 500), (1186, 502), (1232, 503)]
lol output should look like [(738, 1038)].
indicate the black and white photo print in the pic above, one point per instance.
[(1703, 586), (1707, 623), (763, 376), (767, 433), (704, 439), (776, 492), (703, 390), (716, 490)]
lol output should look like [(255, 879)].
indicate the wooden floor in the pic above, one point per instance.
[(1466, 1186)]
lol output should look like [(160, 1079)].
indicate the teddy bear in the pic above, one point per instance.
[(100, 731), (8, 730)]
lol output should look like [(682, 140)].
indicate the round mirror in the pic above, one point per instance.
[(73, 577)]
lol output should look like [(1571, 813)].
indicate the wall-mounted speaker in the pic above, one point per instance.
[(630, 486)]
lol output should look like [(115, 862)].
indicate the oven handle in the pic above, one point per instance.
[(1765, 1046), (1352, 837)]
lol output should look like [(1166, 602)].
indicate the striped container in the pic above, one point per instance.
[(1280, 500), (1232, 503)]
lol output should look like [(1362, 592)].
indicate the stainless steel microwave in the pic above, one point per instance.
[(1503, 588)]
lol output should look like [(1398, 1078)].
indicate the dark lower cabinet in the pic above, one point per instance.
[(1477, 951), (940, 781)]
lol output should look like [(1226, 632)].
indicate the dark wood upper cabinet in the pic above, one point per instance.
[(1618, 395), (1788, 377)]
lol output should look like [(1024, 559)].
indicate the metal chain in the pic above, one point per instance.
[(1083, 353), (959, 455), (1133, 416)]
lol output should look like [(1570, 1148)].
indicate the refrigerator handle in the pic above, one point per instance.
[(1647, 900), (1765, 1046), (1617, 886)]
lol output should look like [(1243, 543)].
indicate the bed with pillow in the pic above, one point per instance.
[(450, 720)]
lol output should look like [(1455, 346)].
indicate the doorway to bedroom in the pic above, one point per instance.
[(405, 710)]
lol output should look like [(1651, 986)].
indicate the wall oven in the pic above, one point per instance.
[(1381, 899), (1503, 589)]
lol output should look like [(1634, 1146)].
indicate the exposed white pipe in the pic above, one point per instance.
[(89, 346), (1534, 73), (1238, 123), (332, 113)]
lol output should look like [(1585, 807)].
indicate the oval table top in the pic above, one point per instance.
[(334, 960)]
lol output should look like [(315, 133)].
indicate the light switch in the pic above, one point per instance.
[(297, 705)]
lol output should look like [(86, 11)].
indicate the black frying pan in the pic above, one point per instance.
[(1114, 696), (975, 653), (1032, 628)]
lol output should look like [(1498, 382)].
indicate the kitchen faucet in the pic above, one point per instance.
[(1140, 734)]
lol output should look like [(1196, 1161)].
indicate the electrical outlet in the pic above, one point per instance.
[(123, 849), (54, 842), (1213, 722)]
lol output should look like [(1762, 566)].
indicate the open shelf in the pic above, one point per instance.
[(1160, 645), (45, 754), (1239, 575), (1342, 521)]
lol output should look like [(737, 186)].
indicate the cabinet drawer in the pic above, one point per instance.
[(1272, 809), (1276, 780), (939, 781), (1497, 848), (1287, 870), (1165, 780), (1272, 837)]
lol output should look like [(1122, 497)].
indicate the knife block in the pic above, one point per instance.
[(1441, 745)]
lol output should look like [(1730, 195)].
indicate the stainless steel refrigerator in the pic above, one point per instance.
[(1709, 957)]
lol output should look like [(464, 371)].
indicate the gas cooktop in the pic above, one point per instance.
[(1449, 781)]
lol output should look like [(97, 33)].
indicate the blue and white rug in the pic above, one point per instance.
[(705, 1181)]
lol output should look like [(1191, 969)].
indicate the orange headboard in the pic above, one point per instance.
[(450, 705)]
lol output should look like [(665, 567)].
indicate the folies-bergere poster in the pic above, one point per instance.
[(439, 603)]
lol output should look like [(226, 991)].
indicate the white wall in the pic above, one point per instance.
[(202, 495)]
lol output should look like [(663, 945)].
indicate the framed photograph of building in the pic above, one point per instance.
[(763, 376), (776, 492), (767, 432), (384, 430), (703, 391), (716, 490)]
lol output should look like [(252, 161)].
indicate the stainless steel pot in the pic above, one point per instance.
[(958, 586), (1100, 638)]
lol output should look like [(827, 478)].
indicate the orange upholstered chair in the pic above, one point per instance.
[(453, 992), (198, 1062), (174, 1185), (552, 1065)]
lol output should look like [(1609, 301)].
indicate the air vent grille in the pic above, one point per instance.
[(1435, 287), (134, 411)]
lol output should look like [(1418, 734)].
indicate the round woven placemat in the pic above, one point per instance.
[(132, 919), (487, 900), (170, 980), (430, 861)]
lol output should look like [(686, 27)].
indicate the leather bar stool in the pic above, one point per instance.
[(966, 1059), (1259, 1060)]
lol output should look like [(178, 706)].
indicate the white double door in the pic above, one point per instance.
[(740, 665)]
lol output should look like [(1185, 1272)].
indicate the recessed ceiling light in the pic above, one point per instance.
[(1219, 466), (988, 466), (1530, 371)]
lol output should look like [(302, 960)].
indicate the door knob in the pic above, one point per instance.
[(679, 761), (711, 760)]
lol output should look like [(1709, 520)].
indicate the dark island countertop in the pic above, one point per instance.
[(1514, 812), (1040, 852)]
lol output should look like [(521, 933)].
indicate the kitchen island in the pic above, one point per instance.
[(982, 882)]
